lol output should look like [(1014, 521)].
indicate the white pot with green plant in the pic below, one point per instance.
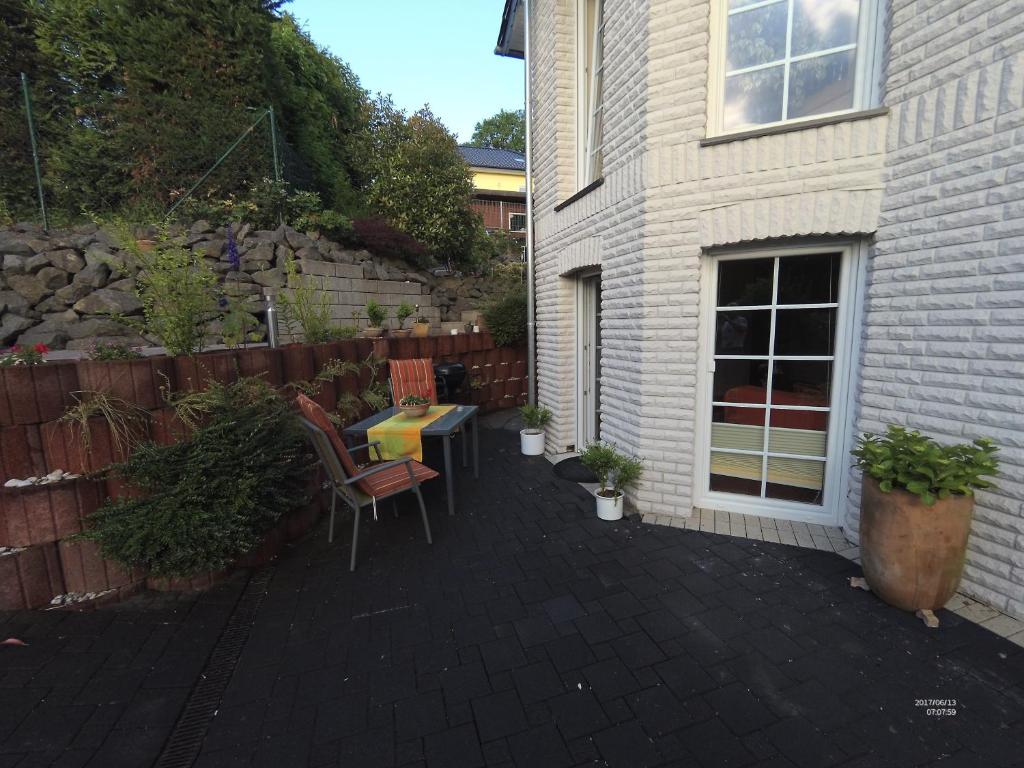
[(531, 437), (403, 313), (615, 473), (375, 315)]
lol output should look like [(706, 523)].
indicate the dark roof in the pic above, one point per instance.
[(485, 157)]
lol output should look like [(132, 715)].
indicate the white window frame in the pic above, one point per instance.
[(868, 71), (589, 92), (516, 213), (841, 416)]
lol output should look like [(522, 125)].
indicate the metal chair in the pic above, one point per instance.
[(356, 486)]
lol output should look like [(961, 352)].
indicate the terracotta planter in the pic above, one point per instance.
[(135, 381), (270, 548), (42, 514), (21, 452), (403, 349), (426, 346), (262, 362), (420, 330), (913, 554), (30, 394), (63, 448), (197, 583), (167, 428), (445, 347), (192, 372), (30, 578), (85, 570)]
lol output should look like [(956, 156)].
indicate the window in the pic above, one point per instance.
[(589, 85), (783, 60), (517, 222)]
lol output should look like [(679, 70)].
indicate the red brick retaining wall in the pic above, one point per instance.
[(38, 562)]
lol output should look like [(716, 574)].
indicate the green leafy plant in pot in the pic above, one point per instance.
[(531, 437), (404, 311), (414, 406), (917, 499), (616, 472), (375, 315)]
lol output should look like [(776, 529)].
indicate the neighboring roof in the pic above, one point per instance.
[(501, 159), (510, 35)]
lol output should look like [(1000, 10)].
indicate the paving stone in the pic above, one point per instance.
[(529, 634)]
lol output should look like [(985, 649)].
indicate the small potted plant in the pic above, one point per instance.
[(421, 328), (404, 311), (531, 437), (376, 315), (18, 355), (917, 498), (414, 406), (615, 473)]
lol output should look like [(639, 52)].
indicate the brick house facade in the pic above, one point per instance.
[(916, 191)]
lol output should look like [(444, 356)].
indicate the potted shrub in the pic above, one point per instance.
[(376, 315), (404, 311), (531, 437), (917, 497), (421, 327), (615, 473)]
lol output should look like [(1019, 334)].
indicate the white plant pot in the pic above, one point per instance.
[(531, 443), (609, 508)]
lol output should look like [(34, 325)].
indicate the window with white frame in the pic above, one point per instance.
[(589, 87), (517, 222), (785, 60)]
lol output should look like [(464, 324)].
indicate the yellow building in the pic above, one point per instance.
[(499, 183)]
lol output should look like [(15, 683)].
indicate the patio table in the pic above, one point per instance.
[(443, 428)]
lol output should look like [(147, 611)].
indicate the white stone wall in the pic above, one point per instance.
[(941, 180), (943, 341)]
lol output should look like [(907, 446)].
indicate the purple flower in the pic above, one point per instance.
[(222, 302), (233, 258)]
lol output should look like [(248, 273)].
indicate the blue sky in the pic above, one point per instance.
[(439, 52)]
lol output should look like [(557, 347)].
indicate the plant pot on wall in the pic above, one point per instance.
[(913, 555), (373, 333), (420, 330), (609, 507)]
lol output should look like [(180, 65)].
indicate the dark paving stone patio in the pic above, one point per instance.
[(529, 634)]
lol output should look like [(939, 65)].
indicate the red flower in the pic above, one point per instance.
[(15, 348), (41, 348)]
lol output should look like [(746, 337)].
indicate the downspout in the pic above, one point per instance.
[(531, 309)]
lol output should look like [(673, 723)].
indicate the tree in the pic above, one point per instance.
[(505, 130), (420, 182)]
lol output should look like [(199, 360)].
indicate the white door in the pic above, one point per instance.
[(776, 343), (588, 360)]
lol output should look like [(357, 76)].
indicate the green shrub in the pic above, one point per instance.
[(535, 417), (305, 307), (506, 317), (404, 312), (375, 314), (179, 291), (907, 459), (211, 498), (615, 471), (102, 350)]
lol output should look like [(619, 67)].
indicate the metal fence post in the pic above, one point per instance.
[(35, 149)]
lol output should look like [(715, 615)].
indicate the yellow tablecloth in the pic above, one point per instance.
[(400, 435)]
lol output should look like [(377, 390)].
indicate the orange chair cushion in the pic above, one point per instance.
[(394, 479), (413, 377), (316, 414)]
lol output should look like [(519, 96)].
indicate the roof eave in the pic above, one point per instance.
[(510, 34)]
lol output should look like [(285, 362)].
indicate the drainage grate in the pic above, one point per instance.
[(183, 745)]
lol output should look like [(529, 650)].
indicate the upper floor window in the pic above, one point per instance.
[(517, 222), (589, 86), (784, 60)]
